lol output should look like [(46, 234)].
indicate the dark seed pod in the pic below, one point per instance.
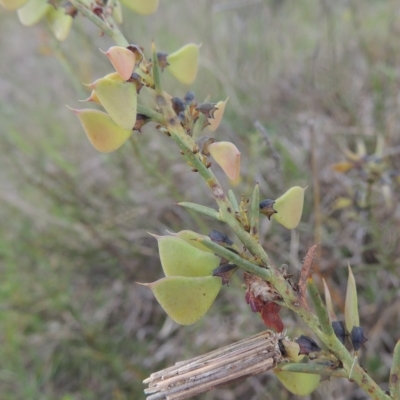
[(357, 337), (208, 109), (266, 208), (141, 120), (339, 329), (162, 60), (178, 105), (220, 238), (138, 51), (307, 345), (189, 98), (202, 143), (137, 80), (225, 271)]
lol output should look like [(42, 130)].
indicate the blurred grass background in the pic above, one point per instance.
[(319, 77)]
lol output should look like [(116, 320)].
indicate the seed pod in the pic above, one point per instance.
[(307, 345), (291, 349), (185, 299), (141, 7), (189, 98), (162, 60), (101, 130), (357, 337), (340, 331), (13, 4), (208, 109), (227, 156), (183, 63), (299, 383), (217, 116), (220, 238), (267, 208), (59, 23), (123, 60), (178, 105), (289, 207), (33, 11), (225, 271)]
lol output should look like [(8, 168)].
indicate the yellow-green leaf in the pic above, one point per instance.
[(104, 134), (299, 383), (59, 22), (179, 258), (119, 99), (33, 11), (351, 306), (184, 62), (123, 60), (185, 299), (227, 156), (12, 4), (289, 207), (143, 7)]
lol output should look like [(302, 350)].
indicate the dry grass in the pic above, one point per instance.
[(73, 323)]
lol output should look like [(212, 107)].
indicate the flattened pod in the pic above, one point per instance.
[(289, 207)]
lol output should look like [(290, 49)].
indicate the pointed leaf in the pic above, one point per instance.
[(227, 155), (123, 60), (185, 299), (351, 306), (218, 114), (93, 96), (12, 4), (289, 207), (119, 99), (328, 302), (143, 7), (32, 12), (179, 258), (299, 383), (59, 23), (104, 134), (183, 63)]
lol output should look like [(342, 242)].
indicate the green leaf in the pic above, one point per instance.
[(328, 302), (119, 99), (179, 258), (104, 134), (289, 207), (143, 7), (185, 299), (59, 23), (183, 63), (32, 12), (351, 306), (210, 212), (227, 156), (299, 383)]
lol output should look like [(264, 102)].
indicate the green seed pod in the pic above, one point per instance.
[(59, 23), (101, 130), (32, 12), (299, 383), (183, 63), (227, 156), (185, 299), (179, 258), (13, 4), (190, 237), (289, 207), (119, 99), (141, 7)]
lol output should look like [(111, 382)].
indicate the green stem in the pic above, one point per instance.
[(394, 380), (108, 25)]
